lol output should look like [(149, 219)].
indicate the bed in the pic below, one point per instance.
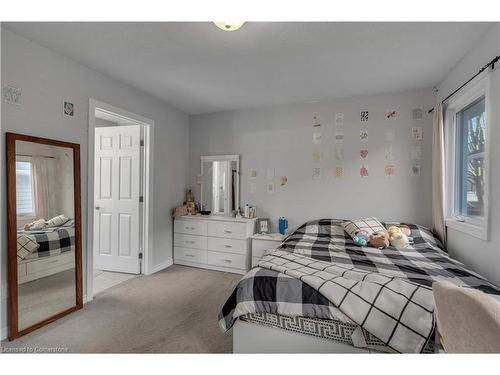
[(46, 252), (318, 292)]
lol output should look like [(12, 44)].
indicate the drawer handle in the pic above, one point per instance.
[(189, 241), (189, 228), (228, 231), (228, 246), (53, 261), (227, 260), (189, 255)]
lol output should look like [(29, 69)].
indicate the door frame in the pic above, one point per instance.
[(147, 190)]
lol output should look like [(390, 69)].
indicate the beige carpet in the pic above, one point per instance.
[(172, 311)]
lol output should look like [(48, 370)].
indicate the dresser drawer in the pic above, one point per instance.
[(191, 241), (190, 255), (260, 247), (227, 245), (226, 260), (42, 264), (227, 230), (190, 227)]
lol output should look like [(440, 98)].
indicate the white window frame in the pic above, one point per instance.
[(477, 227), (27, 217)]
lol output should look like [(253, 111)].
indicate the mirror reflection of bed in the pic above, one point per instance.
[(45, 231)]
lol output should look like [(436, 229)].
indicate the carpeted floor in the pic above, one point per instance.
[(172, 311)]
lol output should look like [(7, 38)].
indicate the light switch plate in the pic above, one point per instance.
[(11, 95)]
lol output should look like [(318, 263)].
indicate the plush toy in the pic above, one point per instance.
[(361, 238), (36, 225), (379, 240), (393, 230), (399, 240), (405, 229)]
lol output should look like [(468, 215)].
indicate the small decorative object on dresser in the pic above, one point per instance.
[(215, 242), (263, 226), (261, 243)]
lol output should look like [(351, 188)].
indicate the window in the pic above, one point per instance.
[(470, 129), (24, 188), (467, 166)]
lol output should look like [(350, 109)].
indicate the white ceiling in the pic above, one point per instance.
[(199, 68)]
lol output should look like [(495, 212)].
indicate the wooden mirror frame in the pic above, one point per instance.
[(14, 331)]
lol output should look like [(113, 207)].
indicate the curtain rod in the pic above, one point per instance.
[(491, 63), (42, 156)]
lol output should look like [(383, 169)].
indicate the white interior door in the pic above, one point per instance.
[(116, 198)]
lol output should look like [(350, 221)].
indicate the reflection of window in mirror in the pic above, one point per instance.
[(24, 188)]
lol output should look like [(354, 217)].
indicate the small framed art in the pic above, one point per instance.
[(263, 226)]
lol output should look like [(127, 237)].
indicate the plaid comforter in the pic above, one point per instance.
[(318, 271), (52, 243)]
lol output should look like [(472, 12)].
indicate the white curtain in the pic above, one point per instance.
[(438, 175), (41, 187)]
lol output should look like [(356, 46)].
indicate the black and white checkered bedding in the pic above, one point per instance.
[(318, 271), (52, 243)]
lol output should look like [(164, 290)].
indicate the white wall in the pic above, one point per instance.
[(281, 138), (481, 256), (46, 79)]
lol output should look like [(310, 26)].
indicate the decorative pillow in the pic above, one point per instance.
[(25, 246), (370, 225), (57, 221)]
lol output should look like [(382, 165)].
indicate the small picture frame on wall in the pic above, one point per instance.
[(263, 226), (69, 109)]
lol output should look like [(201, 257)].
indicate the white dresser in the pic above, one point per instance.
[(213, 242)]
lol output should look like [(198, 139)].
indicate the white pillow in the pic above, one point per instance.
[(57, 221), (369, 225), (25, 246)]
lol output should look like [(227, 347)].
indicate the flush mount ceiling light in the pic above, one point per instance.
[(228, 26)]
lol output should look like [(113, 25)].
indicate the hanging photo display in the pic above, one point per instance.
[(415, 170), (339, 119), (363, 170), (339, 153), (389, 170), (339, 172), (363, 154), (363, 135), (416, 133), (316, 173), (339, 136), (389, 154), (316, 123), (417, 113), (317, 138), (363, 116), (316, 156), (391, 114)]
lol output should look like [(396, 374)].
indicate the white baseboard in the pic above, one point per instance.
[(161, 266)]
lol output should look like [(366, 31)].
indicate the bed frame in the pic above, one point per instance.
[(257, 338)]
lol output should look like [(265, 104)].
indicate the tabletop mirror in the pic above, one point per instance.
[(219, 185), (44, 231)]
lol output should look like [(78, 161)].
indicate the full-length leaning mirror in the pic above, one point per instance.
[(219, 185), (44, 231)]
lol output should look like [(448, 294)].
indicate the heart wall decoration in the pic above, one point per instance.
[(363, 154)]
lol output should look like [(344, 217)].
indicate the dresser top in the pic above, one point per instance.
[(215, 218)]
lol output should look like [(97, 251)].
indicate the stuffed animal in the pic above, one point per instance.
[(379, 240), (399, 240), (393, 230), (361, 238), (405, 229), (36, 225)]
